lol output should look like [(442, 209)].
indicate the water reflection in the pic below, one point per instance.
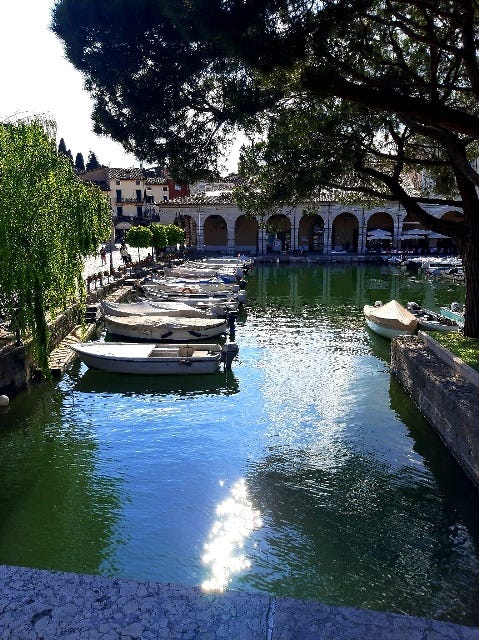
[(223, 553), (56, 509), (101, 382), (347, 496)]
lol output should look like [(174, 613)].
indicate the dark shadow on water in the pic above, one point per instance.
[(94, 381)]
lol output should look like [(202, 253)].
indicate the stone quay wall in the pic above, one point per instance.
[(445, 395), (17, 369)]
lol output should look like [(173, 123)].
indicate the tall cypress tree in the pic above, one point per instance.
[(79, 162)]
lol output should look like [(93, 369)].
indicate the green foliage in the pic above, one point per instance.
[(166, 235), (175, 235), (465, 348), (139, 237), (92, 162), (159, 238), (49, 222), (79, 162)]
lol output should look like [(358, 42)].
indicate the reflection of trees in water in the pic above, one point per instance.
[(56, 512), (457, 490), (379, 537)]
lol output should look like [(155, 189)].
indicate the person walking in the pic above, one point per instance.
[(124, 253), (103, 256)]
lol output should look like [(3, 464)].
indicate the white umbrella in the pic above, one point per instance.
[(379, 234), (418, 233), (411, 236)]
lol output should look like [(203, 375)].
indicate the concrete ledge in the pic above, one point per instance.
[(46, 605), (448, 399), (467, 372)]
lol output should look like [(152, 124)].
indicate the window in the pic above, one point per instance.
[(138, 195), (139, 212), (137, 182), (118, 195), (165, 188), (119, 211), (118, 182), (177, 187)]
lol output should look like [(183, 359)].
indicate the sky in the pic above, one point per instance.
[(38, 80)]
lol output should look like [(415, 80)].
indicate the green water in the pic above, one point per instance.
[(304, 472)]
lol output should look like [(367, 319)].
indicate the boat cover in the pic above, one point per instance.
[(391, 314)]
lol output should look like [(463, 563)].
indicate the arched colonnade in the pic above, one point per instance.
[(331, 228)]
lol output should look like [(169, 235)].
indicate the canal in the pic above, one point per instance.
[(305, 471)]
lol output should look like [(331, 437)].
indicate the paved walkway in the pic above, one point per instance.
[(44, 605), (93, 264)]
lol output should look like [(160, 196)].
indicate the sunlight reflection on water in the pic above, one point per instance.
[(236, 519)]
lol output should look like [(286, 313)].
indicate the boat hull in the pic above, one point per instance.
[(390, 320), (108, 357), (160, 328), (388, 332)]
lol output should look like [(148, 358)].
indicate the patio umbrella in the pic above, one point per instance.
[(378, 234)]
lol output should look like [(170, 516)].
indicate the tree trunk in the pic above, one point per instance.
[(471, 270)]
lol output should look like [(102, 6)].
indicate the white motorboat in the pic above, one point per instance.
[(219, 307), (168, 308), (432, 321), (156, 359), (390, 320), (173, 329)]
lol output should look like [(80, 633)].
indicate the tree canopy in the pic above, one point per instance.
[(340, 97), (166, 235), (49, 222), (79, 162), (92, 162)]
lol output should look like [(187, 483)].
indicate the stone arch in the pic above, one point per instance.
[(246, 233), (215, 231), (188, 224), (380, 232), (311, 233), (278, 229), (345, 232)]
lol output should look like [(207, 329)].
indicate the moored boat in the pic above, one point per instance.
[(432, 321), (390, 320), (173, 329), (167, 308), (455, 312), (156, 359)]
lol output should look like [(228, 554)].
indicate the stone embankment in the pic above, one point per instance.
[(16, 367), (47, 605), (447, 393)]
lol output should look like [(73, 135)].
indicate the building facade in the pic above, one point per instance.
[(214, 224), (331, 228)]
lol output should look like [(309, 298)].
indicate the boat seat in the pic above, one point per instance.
[(166, 353), (185, 352)]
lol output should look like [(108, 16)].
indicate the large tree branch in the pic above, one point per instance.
[(389, 101)]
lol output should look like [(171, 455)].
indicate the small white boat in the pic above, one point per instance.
[(432, 321), (219, 307), (156, 359), (169, 308), (390, 320), (173, 329)]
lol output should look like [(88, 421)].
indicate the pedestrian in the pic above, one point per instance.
[(125, 256), (103, 255)]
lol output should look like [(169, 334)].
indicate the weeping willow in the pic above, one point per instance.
[(49, 222)]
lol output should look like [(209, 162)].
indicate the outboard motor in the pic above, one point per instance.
[(229, 352)]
